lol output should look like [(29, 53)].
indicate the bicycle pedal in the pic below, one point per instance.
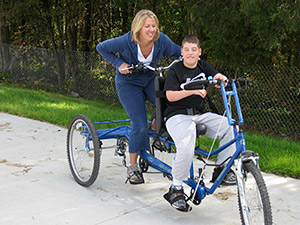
[(120, 153), (188, 208), (168, 176)]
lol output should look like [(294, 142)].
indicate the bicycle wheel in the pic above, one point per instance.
[(83, 149), (253, 197)]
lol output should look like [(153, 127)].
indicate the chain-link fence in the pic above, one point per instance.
[(82, 74), (271, 103)]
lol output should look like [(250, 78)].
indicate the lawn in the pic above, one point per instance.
[(277, 155)]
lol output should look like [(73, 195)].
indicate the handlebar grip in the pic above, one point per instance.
[(243, 81), (139, 66), (239, 81), (128, 68)]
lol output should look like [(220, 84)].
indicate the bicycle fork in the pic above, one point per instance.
[(246, 157)]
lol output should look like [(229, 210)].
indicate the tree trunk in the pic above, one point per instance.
[(72, 54), (5, 53)]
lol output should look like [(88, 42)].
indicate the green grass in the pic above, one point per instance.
[(277, 155), (54, 108)]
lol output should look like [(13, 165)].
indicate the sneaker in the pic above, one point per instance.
[(229, 179), (134, 175), (176, 198)]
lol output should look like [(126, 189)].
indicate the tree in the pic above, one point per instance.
[(247, 32), (4, 38), (232, 32)]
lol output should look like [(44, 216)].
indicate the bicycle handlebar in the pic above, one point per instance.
[(240, 81), (141, 65), (198, 84)]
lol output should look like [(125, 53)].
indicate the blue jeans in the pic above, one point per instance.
[(133, 90)]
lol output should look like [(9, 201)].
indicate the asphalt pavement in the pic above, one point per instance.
[(36, 187)]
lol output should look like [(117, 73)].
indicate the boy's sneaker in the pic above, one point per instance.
[(134, 175), (229, 179), (176, 198)]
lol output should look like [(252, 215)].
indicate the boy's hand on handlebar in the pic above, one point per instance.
[(220, 76), (123, 70)]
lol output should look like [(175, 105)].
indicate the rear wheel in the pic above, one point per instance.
[(83, 150), (253, 197)]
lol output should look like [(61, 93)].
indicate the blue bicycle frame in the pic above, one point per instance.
[(202, 191), (239, 140)]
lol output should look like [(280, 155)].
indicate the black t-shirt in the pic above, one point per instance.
[(180, 74)]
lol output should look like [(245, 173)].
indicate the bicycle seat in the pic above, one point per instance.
[(160, 99)]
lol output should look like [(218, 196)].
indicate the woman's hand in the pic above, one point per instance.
[(124, 65)]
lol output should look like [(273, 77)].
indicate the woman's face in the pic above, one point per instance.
[(148, 30)]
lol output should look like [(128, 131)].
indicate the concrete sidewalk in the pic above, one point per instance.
[(36, 187)]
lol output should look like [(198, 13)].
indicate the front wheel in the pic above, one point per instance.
[(253, 197), (83, 150)]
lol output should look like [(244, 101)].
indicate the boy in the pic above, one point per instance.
[(185, 109)]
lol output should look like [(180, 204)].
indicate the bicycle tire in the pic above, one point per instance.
[(83, 150), (255, 198)]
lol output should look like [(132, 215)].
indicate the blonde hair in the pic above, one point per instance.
[(139, 21)]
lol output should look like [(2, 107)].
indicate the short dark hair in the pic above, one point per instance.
[(190, 39)]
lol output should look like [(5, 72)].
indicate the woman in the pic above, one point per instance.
[(145, 43)]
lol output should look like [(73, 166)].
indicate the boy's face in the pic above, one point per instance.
[(191, 53)]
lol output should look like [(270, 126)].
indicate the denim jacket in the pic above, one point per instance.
[(127, 50)]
